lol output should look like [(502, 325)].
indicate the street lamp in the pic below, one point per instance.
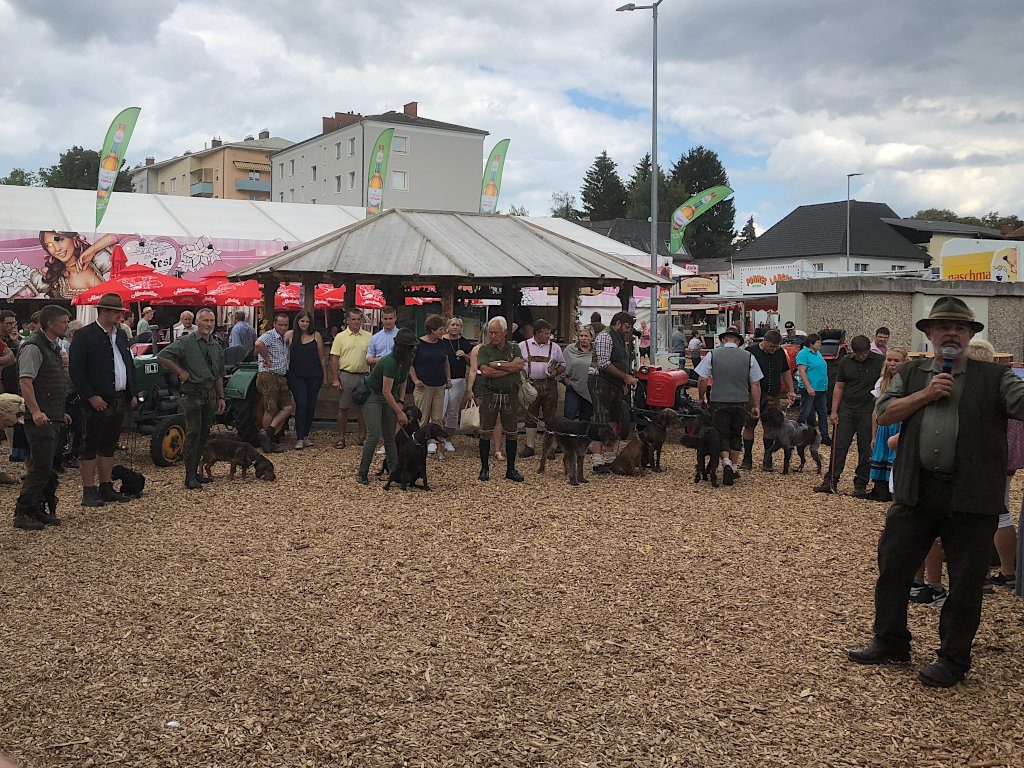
[(654, 168), (848, 177)]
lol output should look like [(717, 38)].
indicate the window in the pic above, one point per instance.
[(254, 175), (312, 170), (291, 168), (281, 198), (162, 187), (281, 170), (351, 146), (313, 200), (399, 180), (400, 145), (174, 185), (351, 179), (898, 267), (337, 151), (291, 195), (860, 266), (337, 183), (819, 266)]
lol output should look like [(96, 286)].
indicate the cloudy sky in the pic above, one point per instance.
[(923, 97)]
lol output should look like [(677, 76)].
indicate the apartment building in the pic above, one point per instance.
[(238, 170), (433, 165)]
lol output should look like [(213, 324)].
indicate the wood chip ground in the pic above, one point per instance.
[(629, 621)]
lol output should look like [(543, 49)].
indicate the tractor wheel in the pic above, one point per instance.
[(168, 441), (247, 416)]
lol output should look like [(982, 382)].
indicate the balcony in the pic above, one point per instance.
[(248, 185), (201, 189)]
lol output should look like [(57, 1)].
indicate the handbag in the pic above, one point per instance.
[(527, 392), (469, 421), (361, 393)]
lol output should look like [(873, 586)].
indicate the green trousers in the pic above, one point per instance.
[(199, 408), (381, 421)]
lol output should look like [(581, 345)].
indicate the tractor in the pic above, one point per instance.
[(159, 416), (657, 389)]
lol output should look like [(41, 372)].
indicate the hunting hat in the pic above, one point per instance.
[(729, 332), (111, 301), (950, 308), (406, 338)]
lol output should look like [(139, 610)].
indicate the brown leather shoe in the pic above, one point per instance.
[(875, 653)]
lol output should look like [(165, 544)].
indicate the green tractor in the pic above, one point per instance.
[(159, 416)]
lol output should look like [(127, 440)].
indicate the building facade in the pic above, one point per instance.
[(228, 171), (433, 165)]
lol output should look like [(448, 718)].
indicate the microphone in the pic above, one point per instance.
[(948, 356)]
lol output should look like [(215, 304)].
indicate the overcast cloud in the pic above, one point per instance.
[(922, 97)]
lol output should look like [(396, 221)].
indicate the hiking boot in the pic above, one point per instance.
[(363, 479), (728, 475), (528, 452), (485, 475), (860, 493), (767, 465), (91, 497), (880, 492), (825, 487), (107, 493), (747, 464), (875, 653), (27, 522), (514, 476)]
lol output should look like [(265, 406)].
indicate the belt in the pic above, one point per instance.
[(352, 373)]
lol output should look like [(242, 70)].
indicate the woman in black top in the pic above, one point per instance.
[(459, 349), (307, 372)]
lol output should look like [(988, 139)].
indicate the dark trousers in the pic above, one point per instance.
[(42, 445), (967, 544), (817, 404), (577, 407), (199, 409), (305, 390), (853, 423)]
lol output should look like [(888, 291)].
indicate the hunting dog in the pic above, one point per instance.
[(654, 437), (789, 435), (709, 450), (630, 460), (573, 437), (412, 458), (240, 455), (415, 416), (132, 482)]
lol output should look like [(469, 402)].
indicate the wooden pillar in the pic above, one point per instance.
[(350, 293), (270, 286), (510, 297), (625, 294), (447, 288), (568, 309), (308, 294), (393, 293)]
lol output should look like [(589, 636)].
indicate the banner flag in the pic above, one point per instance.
[(690, 210), (490, 185), (377, 172), (114, 147)]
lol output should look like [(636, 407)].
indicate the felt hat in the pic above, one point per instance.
[(729, 332), (111, 301), (406, 338), (950, 308)]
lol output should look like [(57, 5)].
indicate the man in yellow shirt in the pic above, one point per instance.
[(349, 366)]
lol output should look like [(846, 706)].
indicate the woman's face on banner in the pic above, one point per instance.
[(58, 246)]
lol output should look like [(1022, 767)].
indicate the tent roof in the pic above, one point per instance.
[(74, 210), (466, 246)]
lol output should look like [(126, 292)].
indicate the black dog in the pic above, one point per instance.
[(790, 435), (412, 458), (654, 437), (132, 483), (573, 437), (709, 450), (415, 416)]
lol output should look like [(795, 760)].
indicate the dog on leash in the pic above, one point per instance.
[(412, 458), (630, 460), (790, 435), (240, 455), (573, 437), (654, 437), (415, 416), (709, 450)]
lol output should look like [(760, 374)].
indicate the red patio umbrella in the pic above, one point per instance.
[(367, 297), (146, 286), (244, 294)]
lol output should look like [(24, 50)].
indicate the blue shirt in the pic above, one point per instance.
[(817, 368), (242, 335), (382, 343)]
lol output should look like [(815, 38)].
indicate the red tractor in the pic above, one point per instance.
[(657, 389)]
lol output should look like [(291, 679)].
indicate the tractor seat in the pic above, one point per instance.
[(234, 356)]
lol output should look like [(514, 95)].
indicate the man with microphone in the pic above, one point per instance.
[(949, 476)]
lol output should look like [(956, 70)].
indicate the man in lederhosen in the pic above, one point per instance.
[(544, 364)]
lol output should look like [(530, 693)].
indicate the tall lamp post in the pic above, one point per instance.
[(848, 177), (654, 168)]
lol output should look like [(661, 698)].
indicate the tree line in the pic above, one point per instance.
[(77, 168), (604, 195)]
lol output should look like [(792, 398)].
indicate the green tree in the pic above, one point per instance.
[(79, 169), (995, 221), (563, 206), (748, 234), (603, 193), (19, 177), (712, 235), (518, 210), (638, 193)]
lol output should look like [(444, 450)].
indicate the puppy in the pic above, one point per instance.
[(630, 460), (654, 437), (132, 483), (790, 435), (412, 458), (573, 437), (415, 416), (235, 451), (709, 450)]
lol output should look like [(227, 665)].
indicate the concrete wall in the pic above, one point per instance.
[(861, 304)]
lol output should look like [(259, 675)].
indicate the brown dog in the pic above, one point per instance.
[(240, 455), (630, 460), (654, 437)]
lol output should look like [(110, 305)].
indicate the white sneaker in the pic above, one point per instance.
[(299, 445), (448, 446), (431, 447)]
